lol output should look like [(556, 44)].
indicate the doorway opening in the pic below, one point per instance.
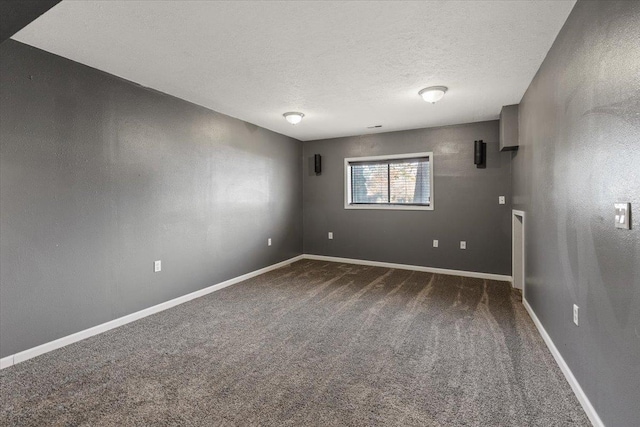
[(517, 251)]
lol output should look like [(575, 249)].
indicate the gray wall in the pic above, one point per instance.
[(17, 14), (465, 200), (579, 153), (100, 177)]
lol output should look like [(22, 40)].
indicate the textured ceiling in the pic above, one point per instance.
[(345, 65)]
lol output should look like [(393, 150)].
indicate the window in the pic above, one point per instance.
[(389, 182)]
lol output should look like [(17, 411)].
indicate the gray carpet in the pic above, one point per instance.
[(313, 344)]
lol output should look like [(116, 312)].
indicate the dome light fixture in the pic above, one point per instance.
[(293, 117), (433, 94)]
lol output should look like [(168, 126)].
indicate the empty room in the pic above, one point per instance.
[(320, 213)]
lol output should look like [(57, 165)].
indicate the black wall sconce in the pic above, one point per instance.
[(317, 163), (479, 154)]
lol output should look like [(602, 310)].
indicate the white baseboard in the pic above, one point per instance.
[(5, 362), (446, 271), (575, 386)]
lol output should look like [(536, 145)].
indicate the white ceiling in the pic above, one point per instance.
[(345, 65)]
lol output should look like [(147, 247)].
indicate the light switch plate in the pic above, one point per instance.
[(435, 243), (157, 266), (331, 235), (463, 244), (502, 200), (623, 210)]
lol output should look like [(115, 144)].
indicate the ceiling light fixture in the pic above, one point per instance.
[(433, 94), (293, 117)]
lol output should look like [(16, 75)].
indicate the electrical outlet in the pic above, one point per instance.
[(157, 266), (463, 244), (269, 241), (435, 243), (575, 314), (502, 200), (331, 235)]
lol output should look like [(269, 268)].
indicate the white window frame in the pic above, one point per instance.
[(347, 182)]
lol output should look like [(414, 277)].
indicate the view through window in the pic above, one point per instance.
[(390, 181)]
